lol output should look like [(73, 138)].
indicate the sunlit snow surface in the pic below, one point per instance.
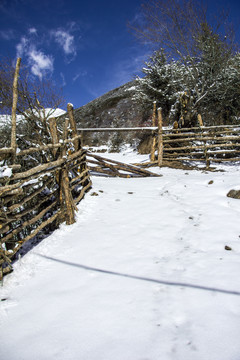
[(142, 275)]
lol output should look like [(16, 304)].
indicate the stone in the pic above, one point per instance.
[(235, 194)]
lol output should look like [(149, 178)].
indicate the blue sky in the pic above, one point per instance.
[(84, 46)]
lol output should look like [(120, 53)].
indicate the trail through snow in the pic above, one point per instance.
[(142, 275)]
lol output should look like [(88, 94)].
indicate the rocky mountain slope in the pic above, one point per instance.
[(113, 109)]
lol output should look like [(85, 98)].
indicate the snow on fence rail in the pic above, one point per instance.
[(36, 199)]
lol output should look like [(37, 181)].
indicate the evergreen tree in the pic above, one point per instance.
[(206, 64)]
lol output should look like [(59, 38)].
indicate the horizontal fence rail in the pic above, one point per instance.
[(40, 190), (208, 144), (41, 184), (143, 128), (205, 144)]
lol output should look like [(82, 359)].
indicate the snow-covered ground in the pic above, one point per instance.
[(6, 119), (142, 275), (48, 112)]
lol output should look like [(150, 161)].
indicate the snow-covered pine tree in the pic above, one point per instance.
[(163, 81)]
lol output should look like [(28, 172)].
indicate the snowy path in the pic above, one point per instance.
[(142, 275)]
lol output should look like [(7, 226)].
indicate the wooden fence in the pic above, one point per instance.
[(37, 199), (197, 144), (209, 144)]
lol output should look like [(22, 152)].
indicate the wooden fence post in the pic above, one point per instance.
[(77, 142), (160, 138), (153, 147), (54, 134), (14, 108), (199, 117), (200, 122), (66, 199)]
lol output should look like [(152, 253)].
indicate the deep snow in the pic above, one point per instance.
[(142, 275)]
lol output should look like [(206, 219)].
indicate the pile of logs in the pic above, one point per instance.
[(112, 168)]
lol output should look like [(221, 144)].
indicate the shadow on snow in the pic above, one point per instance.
[(163, 282)]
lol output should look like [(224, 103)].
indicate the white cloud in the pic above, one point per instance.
[(32, 30), (80, 74), (22, 46), (40, 63), (66, 41), (63, 79)]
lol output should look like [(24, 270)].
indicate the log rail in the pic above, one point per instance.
[(34, 200)]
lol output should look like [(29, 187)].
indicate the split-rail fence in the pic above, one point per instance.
[(34, 200)]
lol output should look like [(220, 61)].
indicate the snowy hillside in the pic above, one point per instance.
[(6, 119), (142, 274)]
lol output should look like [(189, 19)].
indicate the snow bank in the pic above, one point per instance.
[(142, 274)]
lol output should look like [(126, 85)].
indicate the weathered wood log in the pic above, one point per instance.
[(14, 108), (200, 153), (75, 166), (108, 172), (184, 159), (46, 147), (105, 165), (195, 133), (226, 160), (54, 134), (114, 170), (77, 141), (47, 166), (31, 209), (30, 197), (4, 271), (5, 190), (34, 233), (3, 228), (67, 203), (15, 192), (28, 222), (160, 138), (213, 160), (143, 128), (78, 179), (68, 207), (203, 137), (6, 150), (65, 136), (199, 118), (146, 164), (206, 128), (199, 147), (153, 146), (227, 152), (4, 257), (84, 190), (169, 135), (127, 167)]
